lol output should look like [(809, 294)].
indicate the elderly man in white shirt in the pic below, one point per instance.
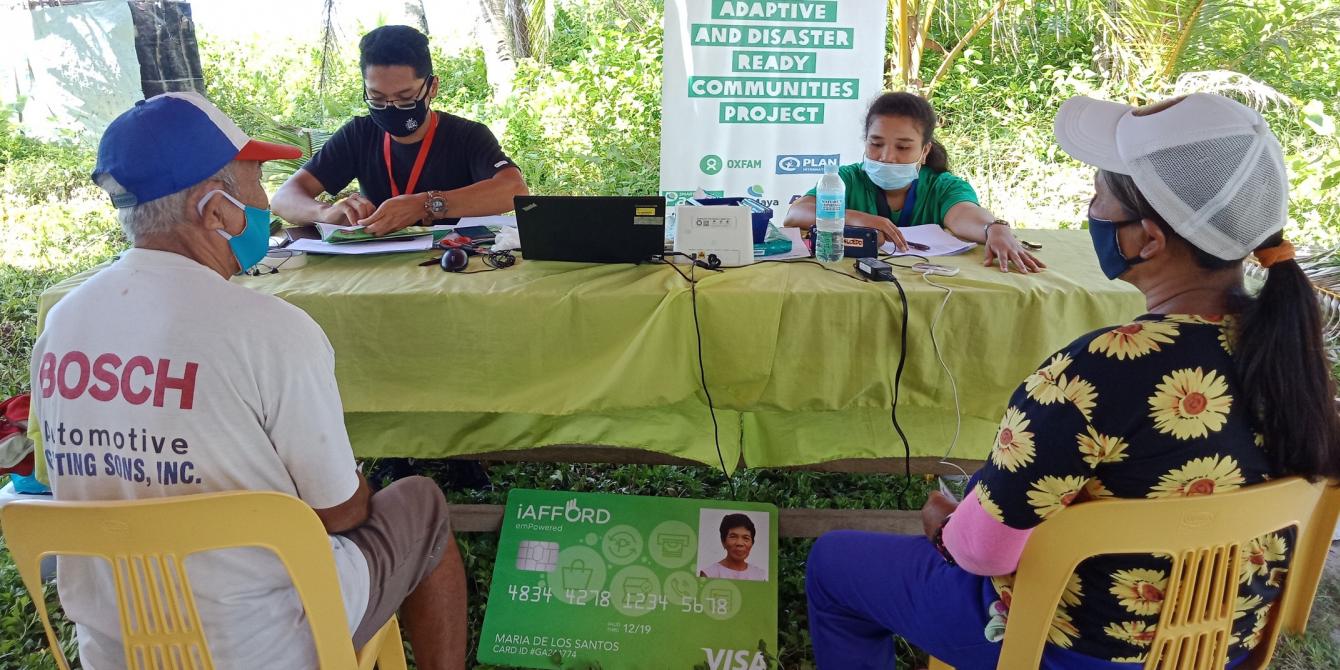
[(158, 377)]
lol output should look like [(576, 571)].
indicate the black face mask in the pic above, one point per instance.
[(400, 122)]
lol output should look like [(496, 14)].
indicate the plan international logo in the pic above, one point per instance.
[(806, 163)]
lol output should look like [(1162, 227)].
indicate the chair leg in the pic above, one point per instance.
[(937, 664), (384, 651), (392, 654)]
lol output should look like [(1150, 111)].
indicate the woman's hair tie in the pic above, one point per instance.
[(1271, 255)]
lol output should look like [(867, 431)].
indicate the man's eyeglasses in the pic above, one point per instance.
[(377, 103)]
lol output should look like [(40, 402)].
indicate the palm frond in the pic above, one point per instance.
[(1147, 40), (1320, 26), (330, 47), (1248, 91), (540, 25), (308, 140)]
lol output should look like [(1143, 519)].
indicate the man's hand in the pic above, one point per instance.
[(348, 211), (1003, 248), (396, 213), (933, 513)]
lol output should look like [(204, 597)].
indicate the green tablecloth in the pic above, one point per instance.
[(799, 360)]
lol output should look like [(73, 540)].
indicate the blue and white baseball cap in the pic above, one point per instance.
[(172, 142)]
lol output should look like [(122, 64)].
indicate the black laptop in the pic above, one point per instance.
[(591, 229)]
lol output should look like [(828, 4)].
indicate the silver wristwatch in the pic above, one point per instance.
[(436, 205)]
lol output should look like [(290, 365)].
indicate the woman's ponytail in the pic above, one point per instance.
[(1284, 375)]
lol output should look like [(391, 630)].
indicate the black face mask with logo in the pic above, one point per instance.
[(400, 122)]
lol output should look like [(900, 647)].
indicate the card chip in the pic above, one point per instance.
[(537, 556)]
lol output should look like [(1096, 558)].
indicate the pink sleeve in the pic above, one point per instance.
[(979, 543)]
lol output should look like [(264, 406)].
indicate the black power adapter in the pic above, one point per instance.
[(874, 269)]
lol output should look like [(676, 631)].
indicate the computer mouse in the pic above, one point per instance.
[(454, 260)]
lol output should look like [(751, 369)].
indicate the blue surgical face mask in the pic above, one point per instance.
[(1110, 258), (249, 247), (891, 176)]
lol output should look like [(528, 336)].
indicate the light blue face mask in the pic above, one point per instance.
[(248, 248), (891, 176)]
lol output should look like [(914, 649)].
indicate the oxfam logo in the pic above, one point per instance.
[(711, 164), (756, 190)]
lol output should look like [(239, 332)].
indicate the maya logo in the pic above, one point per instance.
[(735, 659), (572, 513), (755, 191), (806, 163)]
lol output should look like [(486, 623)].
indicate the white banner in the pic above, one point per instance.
[(72, 68), (759, 96)]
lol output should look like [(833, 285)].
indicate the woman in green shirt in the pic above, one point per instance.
[(903, 163)]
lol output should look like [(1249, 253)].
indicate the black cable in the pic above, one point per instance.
[(888, 258), (898, 373), (691, 278), (498, 260), (893, 413), (806, 261)]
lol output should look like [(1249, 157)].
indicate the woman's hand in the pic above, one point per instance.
[(884, 227), (1003, 248), (933, 513)]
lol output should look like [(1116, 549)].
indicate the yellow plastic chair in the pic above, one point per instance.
[(150, 539), (1204, 536)]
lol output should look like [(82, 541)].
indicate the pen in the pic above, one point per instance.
[(918, 247)]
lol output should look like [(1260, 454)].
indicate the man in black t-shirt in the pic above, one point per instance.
[(412, 164)]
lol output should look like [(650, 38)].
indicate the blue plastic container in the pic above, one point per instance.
[(762, 214)]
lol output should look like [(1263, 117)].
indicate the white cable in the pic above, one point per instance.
[(953, 385)]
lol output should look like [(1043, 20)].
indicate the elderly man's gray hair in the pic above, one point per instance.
[(160, 215)]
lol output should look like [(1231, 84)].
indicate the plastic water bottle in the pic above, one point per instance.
[(830, 213)]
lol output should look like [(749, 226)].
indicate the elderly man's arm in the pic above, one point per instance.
[(349, 514)]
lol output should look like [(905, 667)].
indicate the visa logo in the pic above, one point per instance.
[(806, 163), (734, 659)]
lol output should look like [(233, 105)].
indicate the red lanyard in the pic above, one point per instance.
[(418, 162)]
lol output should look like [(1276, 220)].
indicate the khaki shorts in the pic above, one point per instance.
[(403, 541)]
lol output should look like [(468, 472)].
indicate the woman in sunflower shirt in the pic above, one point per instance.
[(1212, 391), (904, 180)]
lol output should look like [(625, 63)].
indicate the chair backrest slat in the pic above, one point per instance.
[(1203, 536), (146, 543)]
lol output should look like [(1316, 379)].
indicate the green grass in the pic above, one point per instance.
[(1319, 647)]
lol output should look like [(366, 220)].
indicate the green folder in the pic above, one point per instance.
[(361, 235)]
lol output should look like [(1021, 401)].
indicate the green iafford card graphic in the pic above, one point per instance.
[(588, 580)]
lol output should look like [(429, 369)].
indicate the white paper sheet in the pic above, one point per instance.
[(487, 221), (939, 240)]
